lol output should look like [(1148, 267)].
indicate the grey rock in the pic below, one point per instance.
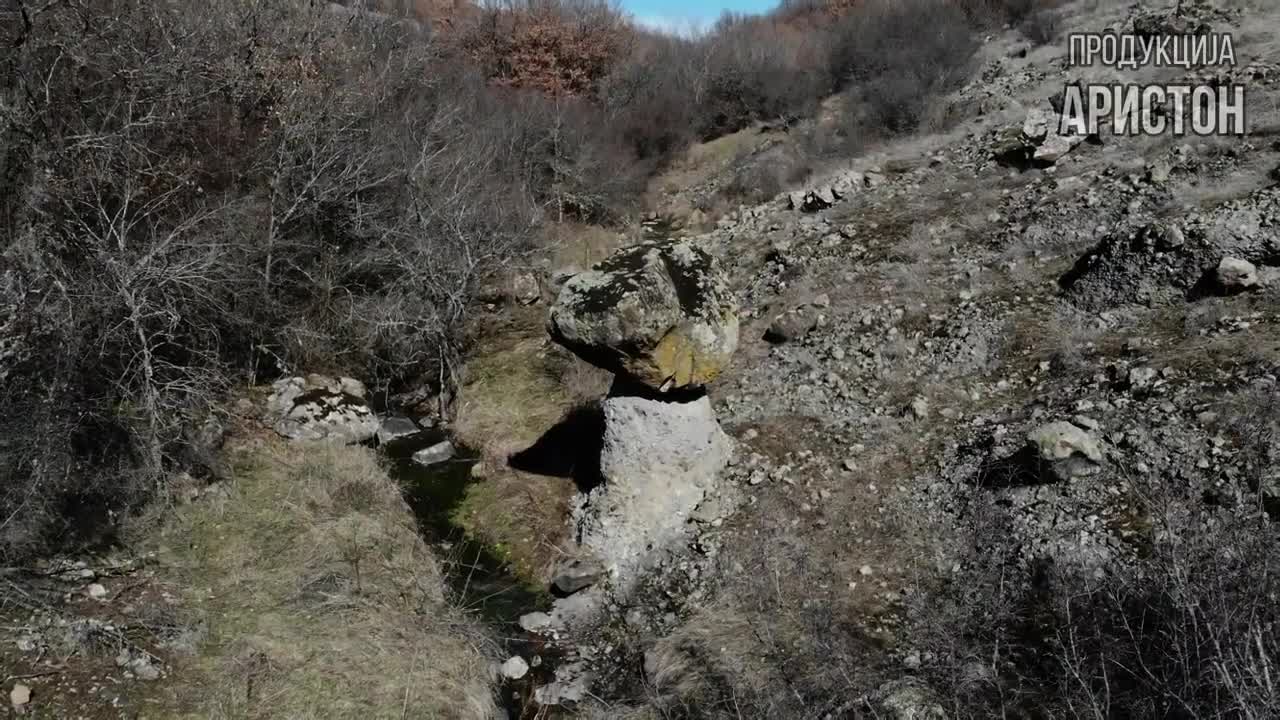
[(537, 622), (577, 574), (514, 668), (570, 686), (1235, 275), (435, 454), (907, 700), (1142, 377), (1158, 171), (1056, 147), (848, 184), (920, 408), (1184, 20), (792, 325), (811, 201), (660, 313), (660, 459), (1035, 128), (395, 428), (321, 408), (525, 288), (1064, 451)]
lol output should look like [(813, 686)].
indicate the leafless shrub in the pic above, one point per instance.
[(893, 58), (754, 183), (281, 179), (995, 13), (1187, 629), (1042, 27)]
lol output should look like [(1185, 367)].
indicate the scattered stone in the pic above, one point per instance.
[(321, 408), (1235, 275), (1063, 451), (1142, 377), (514, 668), (792, 325), (435, 454), (920, 408), (536, 622), (660, 313), (907, 700), (19, 697), (396, 428), (139, 664), (577, 574), (1158, 171), (144, 670), (97, 591), (1167, 236)]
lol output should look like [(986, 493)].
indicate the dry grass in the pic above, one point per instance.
[(320, 598), (572, 244), (519, 386)]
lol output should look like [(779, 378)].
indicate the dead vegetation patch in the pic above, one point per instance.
[(319, 597), (519, 389)]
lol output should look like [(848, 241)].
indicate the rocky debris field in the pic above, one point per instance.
[(89, 637), (992, 325), (993, 347)]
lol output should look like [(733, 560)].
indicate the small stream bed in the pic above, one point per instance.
[(479, 580)]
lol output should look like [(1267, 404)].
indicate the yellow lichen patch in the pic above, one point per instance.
[(680, 361)]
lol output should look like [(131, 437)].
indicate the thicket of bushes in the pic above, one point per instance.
[(661, 92), (1188, 626), (192, 200)]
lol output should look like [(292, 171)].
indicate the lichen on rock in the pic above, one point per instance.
[(659, 313)]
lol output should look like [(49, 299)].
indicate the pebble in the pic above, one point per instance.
[(19, 696), (514, 668)]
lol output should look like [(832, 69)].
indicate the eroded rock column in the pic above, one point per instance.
[(660, 316)]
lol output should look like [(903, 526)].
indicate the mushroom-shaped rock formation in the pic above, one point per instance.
[(659, 313)]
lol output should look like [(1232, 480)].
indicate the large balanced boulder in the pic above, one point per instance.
[(660, 313)]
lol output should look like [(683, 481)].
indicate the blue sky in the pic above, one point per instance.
[(680, 15)]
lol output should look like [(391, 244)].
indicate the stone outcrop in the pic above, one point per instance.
[(442, 451), (832, 191), (1235, 275), (660, 457), (396, 428), (660, 316), (660, 313), (321, 408), (1038, 143), (1062, 450)]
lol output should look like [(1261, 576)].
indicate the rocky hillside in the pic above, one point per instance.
[(1004, 412), (1005, 429), (973, 422)]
